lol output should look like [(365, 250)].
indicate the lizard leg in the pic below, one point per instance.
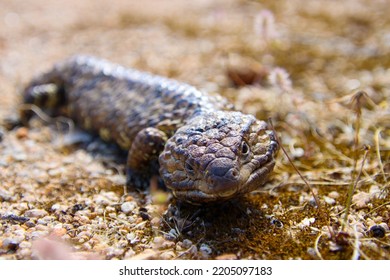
[(142, 160)]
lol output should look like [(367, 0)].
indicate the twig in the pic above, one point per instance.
[(355, 255), (316, 246), (357, 107), (293, 165), (377, 147), (353, 187)]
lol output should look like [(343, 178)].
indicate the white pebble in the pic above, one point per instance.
[(306, 222), (24, 253), (46, 220), (35, 213), (128, 206), (55, 207), (329, 200), (334, 195), (112, 215), (5, 195), (205, 249), (22, 206), (132, 237), (38, 234), (25, 244), (110, 209), (187, 243), (101, 200), (11, 241)]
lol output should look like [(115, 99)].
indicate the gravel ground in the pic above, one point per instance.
[(319, 69)]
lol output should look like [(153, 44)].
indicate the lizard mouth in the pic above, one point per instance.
[(258, 177), (255, 179)]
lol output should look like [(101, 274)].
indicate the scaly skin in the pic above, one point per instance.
[(203, 151)]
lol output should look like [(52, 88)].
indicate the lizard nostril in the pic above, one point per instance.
[(235, 173)]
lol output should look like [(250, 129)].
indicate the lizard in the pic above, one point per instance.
[(203, 150)]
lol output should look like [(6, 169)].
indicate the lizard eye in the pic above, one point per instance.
[(244, 149)]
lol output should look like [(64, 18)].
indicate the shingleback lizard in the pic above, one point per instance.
[(203, 151)]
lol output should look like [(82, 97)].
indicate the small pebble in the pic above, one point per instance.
[(25, 244), (35, 213), (11, 121), (167, 255), (361, 199), (306, 222), (86, 246), (172, 234), (205, 249), (41, 227), (187, 243), (129, 254), (46, 220), (5, 195), (329, 200), (20, 232), (30, 224), (113, 252), (38, 234), (112, 215), (110, 209), (312, 252), (101, 200), (58, 232), (21, 132), (334, 195), (227, 257), (100, 211), (122, 216), (22, 206), (19, 157), (167, 244), (128, 206), (82, 219), (161, 243), (133, 238), (24, 253), (158, 241), (85, 235), (122, 244), (56, 172), (12, 242), (155, 221), (298, 152)]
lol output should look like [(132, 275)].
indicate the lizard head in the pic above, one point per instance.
[(217, 156)]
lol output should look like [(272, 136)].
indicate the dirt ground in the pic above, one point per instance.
[(319, 69)]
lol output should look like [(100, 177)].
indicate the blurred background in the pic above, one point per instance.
[(326, 46)]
